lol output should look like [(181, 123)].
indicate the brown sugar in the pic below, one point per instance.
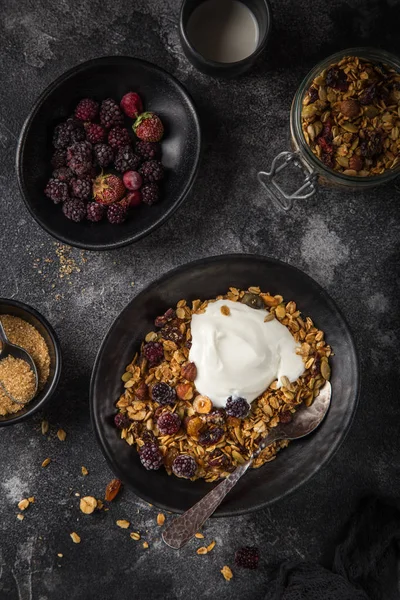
[(18, 379)]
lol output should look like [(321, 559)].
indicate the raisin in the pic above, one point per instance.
[(112, 489), (313, 94), (171, 333), (327, 159), (326, 147), (368, 95), (163, 319), (219, 460), (337, 79), (371, 145), (216, 417), (211, 436)]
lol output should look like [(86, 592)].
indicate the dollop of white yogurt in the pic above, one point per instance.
[(240, 354)]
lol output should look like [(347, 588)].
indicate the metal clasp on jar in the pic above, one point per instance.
[(284, 200)]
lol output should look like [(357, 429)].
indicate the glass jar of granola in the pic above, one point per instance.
[(345, 126)]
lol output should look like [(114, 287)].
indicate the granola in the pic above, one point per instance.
[(218, 443), (351, 117)]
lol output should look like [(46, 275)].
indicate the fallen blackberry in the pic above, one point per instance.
[(118, 137), (121, 421), (212, 436), (150, 193), (150, 456), (152, 171), (148, 150), (79, 158), (87, 110), (103, 155), (59, 159), (247, 557), (237, 407), (81, 188), (74, 209), (95, 212), (116, 214), (63, 174), (154, 352), (57, 191), (168, 423), (184, 466), (110, 114), (95, 133), (163, 394), (126, 160)]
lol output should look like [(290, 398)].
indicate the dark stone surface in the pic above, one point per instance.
[(347, 241)]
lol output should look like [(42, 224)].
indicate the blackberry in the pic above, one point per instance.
[(184, 466), (121, 421), (68, 133), (81, 188), (126, 160), (95, 133), (148, 150), (152, 171), (87, 110), (150, 193), (118, 137), (63, 174), (95, 212), (79, 158), (116, 214), (59, 159), (212, 436), (103, 155), (237, 407), (168, 423), (163, 394), (74, 209), (110, 114), (154, 352), (57, 191), (150, 456), (247, 557)]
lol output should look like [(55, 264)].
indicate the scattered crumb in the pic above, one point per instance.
[(77, 494), (225, 310), (46, 462), (160, 519), (227, 573), (202, 550), (61, 434), (100, 505), (85, 471), (23, 504), (211, 546), (45, 427), (123, 523), (199, 536), (145, 545), (75, 538), (20, 517), (60, 555), (31, 499), (135, 535)]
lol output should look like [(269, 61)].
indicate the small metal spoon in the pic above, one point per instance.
[(9, 349), (305, 420)]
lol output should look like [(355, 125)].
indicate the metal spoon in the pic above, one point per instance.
[(305, 420), (9, 349)]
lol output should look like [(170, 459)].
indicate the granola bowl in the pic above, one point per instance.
[(207, 279)]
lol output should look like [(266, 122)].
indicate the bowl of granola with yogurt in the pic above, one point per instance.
[(203, 363)]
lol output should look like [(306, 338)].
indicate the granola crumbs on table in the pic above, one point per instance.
[(61, 434), (75, 538), (20, 517), (123, 523), (84, 471), (46, 462), (227, 573)]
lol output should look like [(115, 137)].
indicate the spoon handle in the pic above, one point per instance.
[(3, 336)]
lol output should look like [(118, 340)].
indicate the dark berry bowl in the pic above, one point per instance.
[(110, 77), (32, 316), (207, 278)]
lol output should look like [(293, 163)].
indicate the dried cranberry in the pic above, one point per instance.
[(313, 94), (337, 79), (327, 159), (326, 147), (167, 316), (368, 95), (211, 436), (371, 145), (171, 333), (326, 132)]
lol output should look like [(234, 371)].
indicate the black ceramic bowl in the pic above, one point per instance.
[(206, 279), (261, 11), (109, 77), (29, 314)]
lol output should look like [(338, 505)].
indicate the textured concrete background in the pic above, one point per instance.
[(348, 242)]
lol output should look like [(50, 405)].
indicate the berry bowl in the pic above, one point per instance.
[(204, 279), (32, 316), (100, 79)]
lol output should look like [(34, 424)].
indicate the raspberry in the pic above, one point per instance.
[(63, 174), (110, 114), (168, 423), (126, 160), (154, 352), (150, 193), (95, 212), (81, 188), (103, 155), (121, 421), (116, 214), (74, 209), (68, 133), (79, 158), (184, 466), (163, 394), (57, 191), (95, 133), (132, 180), (150, 456), (247, 557), (151, 171), (132, 105), (87, 110), (118, 137), (59, 159), (148, 150), (212, 436), (237, 407)]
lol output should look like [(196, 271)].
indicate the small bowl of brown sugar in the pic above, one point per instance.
[(27, 328)]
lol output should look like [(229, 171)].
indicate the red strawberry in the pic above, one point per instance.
[(148, 127), (132, 105), (108, 189)]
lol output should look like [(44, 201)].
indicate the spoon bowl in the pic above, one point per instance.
[(9, 349)]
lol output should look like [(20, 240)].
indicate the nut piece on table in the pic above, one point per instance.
[(88, 504)]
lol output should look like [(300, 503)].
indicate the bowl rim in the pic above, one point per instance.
[(57, 366), (19, 167), (95, 420)]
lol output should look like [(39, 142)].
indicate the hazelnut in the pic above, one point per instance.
[(356, 163), (141, 391), (193, 425), (184, 391), (189, 371), (202, 404), (350, 108)]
